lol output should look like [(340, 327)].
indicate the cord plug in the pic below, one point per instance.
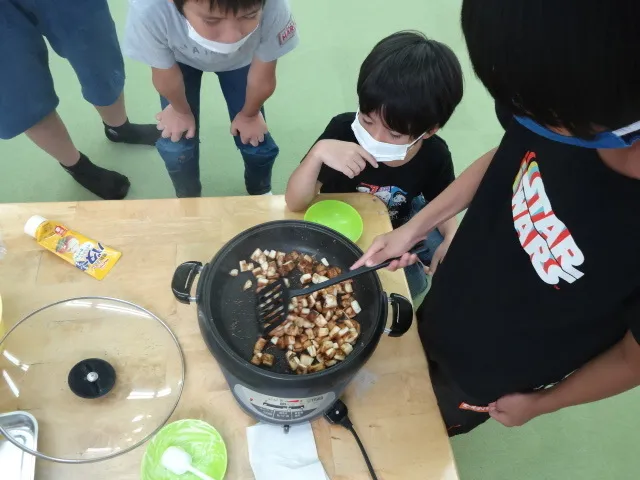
[(338, 414)]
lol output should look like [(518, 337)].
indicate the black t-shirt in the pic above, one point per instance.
[(427, 174), (543, 274)]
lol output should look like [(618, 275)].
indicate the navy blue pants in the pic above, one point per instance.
[(182, 158)]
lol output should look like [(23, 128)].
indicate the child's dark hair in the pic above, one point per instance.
[(412, 82), (572, 64), (234, 6)]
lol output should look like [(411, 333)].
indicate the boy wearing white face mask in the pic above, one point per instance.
[(239, 40), (408, 88)]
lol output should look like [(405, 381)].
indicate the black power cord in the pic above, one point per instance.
[(338, 414)]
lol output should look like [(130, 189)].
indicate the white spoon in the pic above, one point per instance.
[(178, 462)]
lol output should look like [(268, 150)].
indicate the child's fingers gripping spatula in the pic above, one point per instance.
[(273, 300)]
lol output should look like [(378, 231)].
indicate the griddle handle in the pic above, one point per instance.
[(183, 279), (402, 315)]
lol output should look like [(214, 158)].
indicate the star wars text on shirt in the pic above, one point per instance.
[(552, 249)]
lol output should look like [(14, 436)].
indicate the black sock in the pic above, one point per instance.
[(104, 183), (133, 133)]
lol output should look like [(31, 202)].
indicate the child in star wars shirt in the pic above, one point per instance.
[(520, 323)]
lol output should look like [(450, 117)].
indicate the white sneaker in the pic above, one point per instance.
[(268, 193)]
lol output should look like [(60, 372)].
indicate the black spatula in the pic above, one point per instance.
[(273, 300)]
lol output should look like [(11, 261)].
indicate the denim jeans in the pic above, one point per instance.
[(417, 279), (182, 158)]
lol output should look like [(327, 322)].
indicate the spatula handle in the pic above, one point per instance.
[(418, 249)]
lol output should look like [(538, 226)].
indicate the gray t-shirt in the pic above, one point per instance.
[(156, 34)]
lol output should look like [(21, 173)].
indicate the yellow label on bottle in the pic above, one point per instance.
[(87, 255)]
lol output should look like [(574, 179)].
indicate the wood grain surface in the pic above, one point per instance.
[(391, 401)]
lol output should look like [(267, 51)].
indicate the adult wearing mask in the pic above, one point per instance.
[(537, 306)]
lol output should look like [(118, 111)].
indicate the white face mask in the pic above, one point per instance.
[(225, 48), (382, 152)]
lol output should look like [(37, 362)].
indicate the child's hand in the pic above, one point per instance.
[(396, 243), (346, 157), (251, 129), (438, 257), (174, 124), (517, 409)]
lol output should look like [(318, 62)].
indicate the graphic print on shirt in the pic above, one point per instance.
[(551, 248), (393, 197), (287, 32)]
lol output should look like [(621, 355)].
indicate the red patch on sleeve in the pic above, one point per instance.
[(287, 32), (473, 408)]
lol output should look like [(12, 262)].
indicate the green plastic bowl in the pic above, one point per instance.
[(339, 216), (199, 439)]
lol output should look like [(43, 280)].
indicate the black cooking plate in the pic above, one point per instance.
[(230, 312)]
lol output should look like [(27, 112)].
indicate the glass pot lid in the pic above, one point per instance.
[(100, 375)]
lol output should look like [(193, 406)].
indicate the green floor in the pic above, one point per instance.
[(315, 82)]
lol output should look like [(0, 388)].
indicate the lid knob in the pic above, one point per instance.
[(92, 378)]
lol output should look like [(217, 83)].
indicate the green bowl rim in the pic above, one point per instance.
[(224, 443), (343, 203)]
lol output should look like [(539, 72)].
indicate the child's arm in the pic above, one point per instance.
[(448, 230), (261, 84), (170, 84), (345, 157), (278, 36), (177, 118), (449, 203), (146, 41), (614, 371), (303, 185)]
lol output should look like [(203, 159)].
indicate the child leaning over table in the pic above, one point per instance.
[(240, 41), (408, 88)]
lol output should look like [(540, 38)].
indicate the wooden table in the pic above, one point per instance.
[(391, 403)]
